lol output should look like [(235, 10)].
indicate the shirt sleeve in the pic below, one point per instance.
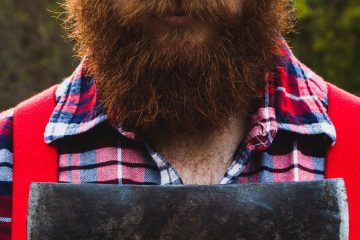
[(6, 173)]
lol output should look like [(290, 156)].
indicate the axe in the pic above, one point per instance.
[(294, 210)]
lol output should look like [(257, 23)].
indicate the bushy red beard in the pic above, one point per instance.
[(183, 79)]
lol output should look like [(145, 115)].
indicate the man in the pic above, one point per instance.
[(182, 92)]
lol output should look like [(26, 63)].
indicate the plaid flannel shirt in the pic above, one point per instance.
[(288, 140)]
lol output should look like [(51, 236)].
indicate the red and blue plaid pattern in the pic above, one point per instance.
[(6, 165), (288, 140)]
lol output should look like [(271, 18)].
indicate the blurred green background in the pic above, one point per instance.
[(34, 53)]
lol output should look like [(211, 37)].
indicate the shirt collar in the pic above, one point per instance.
[(295, 100)]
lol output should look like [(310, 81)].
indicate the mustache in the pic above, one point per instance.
[(214, 11)]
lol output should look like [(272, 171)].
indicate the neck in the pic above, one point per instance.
[(202, 159)]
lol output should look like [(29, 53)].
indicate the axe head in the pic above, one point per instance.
[(294, 210)]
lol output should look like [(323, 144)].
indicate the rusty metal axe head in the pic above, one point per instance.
[(294, 210)]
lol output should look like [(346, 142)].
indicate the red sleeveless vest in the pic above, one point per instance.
[(343, 160)]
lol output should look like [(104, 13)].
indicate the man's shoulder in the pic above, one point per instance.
[(36, 101), (344, 112), (6, 116), (30, 107), (6, 152), (6, 129), (341, 100)]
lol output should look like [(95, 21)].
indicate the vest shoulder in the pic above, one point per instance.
[(339, 99), (343, 159), (344, 112), (38, 100)]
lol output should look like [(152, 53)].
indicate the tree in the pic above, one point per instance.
[(34, 54), (328, 40)]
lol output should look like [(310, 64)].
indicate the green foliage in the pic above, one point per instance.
[(35, 55), (328, 40), (33, 52)]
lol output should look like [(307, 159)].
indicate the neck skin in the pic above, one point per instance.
[(202, 159)]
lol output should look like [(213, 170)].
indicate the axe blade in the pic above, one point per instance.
[(294, 210)]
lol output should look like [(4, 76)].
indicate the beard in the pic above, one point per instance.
[(183, 79)]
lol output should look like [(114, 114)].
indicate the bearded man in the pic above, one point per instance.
[(185, 92)]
